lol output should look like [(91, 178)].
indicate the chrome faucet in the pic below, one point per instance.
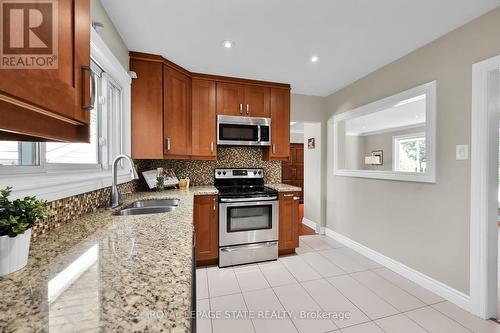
[(114, 197)]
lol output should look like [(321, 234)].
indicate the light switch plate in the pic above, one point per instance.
[(462, 152)]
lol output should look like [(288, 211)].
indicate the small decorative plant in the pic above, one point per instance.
[(21, 214), (160, 182)]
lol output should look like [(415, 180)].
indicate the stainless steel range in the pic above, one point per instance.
[(248, 217)]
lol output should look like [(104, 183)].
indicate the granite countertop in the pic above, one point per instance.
[(103, 272), (284, 187)]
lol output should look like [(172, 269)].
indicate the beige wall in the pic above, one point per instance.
[(424, 226), (313, 109), (109, 33)]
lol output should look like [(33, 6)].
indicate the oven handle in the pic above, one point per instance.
[(248, 199), (246, 246)]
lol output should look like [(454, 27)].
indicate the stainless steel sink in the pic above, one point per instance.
[(149, 207), (154, 203)]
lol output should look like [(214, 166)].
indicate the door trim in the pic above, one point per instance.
[(484, 202)]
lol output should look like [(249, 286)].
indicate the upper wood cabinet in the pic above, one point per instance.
[(177, 114), (230, 99), (48, 104), (257, 101), (147, 109), (174, 112), (203, 119), (236, 99), (288, 222), (280, 125), (206, 227)]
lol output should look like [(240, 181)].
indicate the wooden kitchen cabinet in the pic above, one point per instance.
[(230, 99), (236, 99), (177, 114), (48, 104), (147, 109), (280, 125), (206, 227), (204, 127), (289, 222)]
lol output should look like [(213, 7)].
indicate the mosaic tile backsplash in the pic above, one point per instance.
[(202, 172), (67, 209)]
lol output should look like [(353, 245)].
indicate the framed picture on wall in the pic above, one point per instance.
[(311, 143), (380, 155)]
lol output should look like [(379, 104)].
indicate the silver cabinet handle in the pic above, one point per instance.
[(288, 195), (93, 90), (274, 148), (296, 198), (212, 147), (241, 108), (168, 143), (248, 108), (213, 204)]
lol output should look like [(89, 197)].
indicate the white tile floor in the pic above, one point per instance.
[(325, 277)]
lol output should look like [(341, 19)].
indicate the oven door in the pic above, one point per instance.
[(248, 222)]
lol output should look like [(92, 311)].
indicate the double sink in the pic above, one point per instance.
[(155, 206)]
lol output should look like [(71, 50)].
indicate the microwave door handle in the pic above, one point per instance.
[(258, 134)]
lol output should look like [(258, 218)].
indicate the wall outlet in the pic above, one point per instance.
[(462, 152)]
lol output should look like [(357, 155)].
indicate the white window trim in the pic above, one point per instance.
[(395, 146), (54, 183), (429, 89)]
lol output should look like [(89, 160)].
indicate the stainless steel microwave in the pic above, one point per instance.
[(243, 131)]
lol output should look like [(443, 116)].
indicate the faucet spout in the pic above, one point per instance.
[(114, 197)]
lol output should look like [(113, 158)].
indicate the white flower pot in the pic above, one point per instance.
[(14, 252)]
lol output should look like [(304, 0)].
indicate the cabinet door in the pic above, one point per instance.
[(56, 94), (203, 119), (257, 101), (230, 99), (206, 226), (280, 125), (147, 110), (177, 114), (289, 222)]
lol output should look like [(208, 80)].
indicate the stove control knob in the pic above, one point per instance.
[(218, 172), (224, 173), (254, 172), (260, 172)]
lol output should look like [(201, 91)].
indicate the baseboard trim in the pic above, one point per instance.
[(309, 223), (454, 296)]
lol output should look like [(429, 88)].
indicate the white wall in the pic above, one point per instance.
[(312, 173), (296, 137)]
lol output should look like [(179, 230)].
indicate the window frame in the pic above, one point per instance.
[(395, 147), (430, 92), (52, 181)]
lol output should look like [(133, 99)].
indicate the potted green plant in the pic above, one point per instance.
[(16, 220)]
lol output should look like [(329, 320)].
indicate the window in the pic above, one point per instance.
[(105, 136), (400, 128), (410, 153)]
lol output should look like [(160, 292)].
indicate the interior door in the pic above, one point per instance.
[(292, 170), (230, 99), (257, 101)]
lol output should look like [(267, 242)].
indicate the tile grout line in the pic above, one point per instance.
[(276, 295), (444, 314), (244, 300)]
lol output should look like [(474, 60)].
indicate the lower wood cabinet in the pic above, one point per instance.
[(289, 222), (206, 227)]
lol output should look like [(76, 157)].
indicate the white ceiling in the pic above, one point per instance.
[(394, 118), (274, 39)]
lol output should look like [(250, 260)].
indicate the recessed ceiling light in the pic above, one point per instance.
[(314, 59), (228, 44)]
